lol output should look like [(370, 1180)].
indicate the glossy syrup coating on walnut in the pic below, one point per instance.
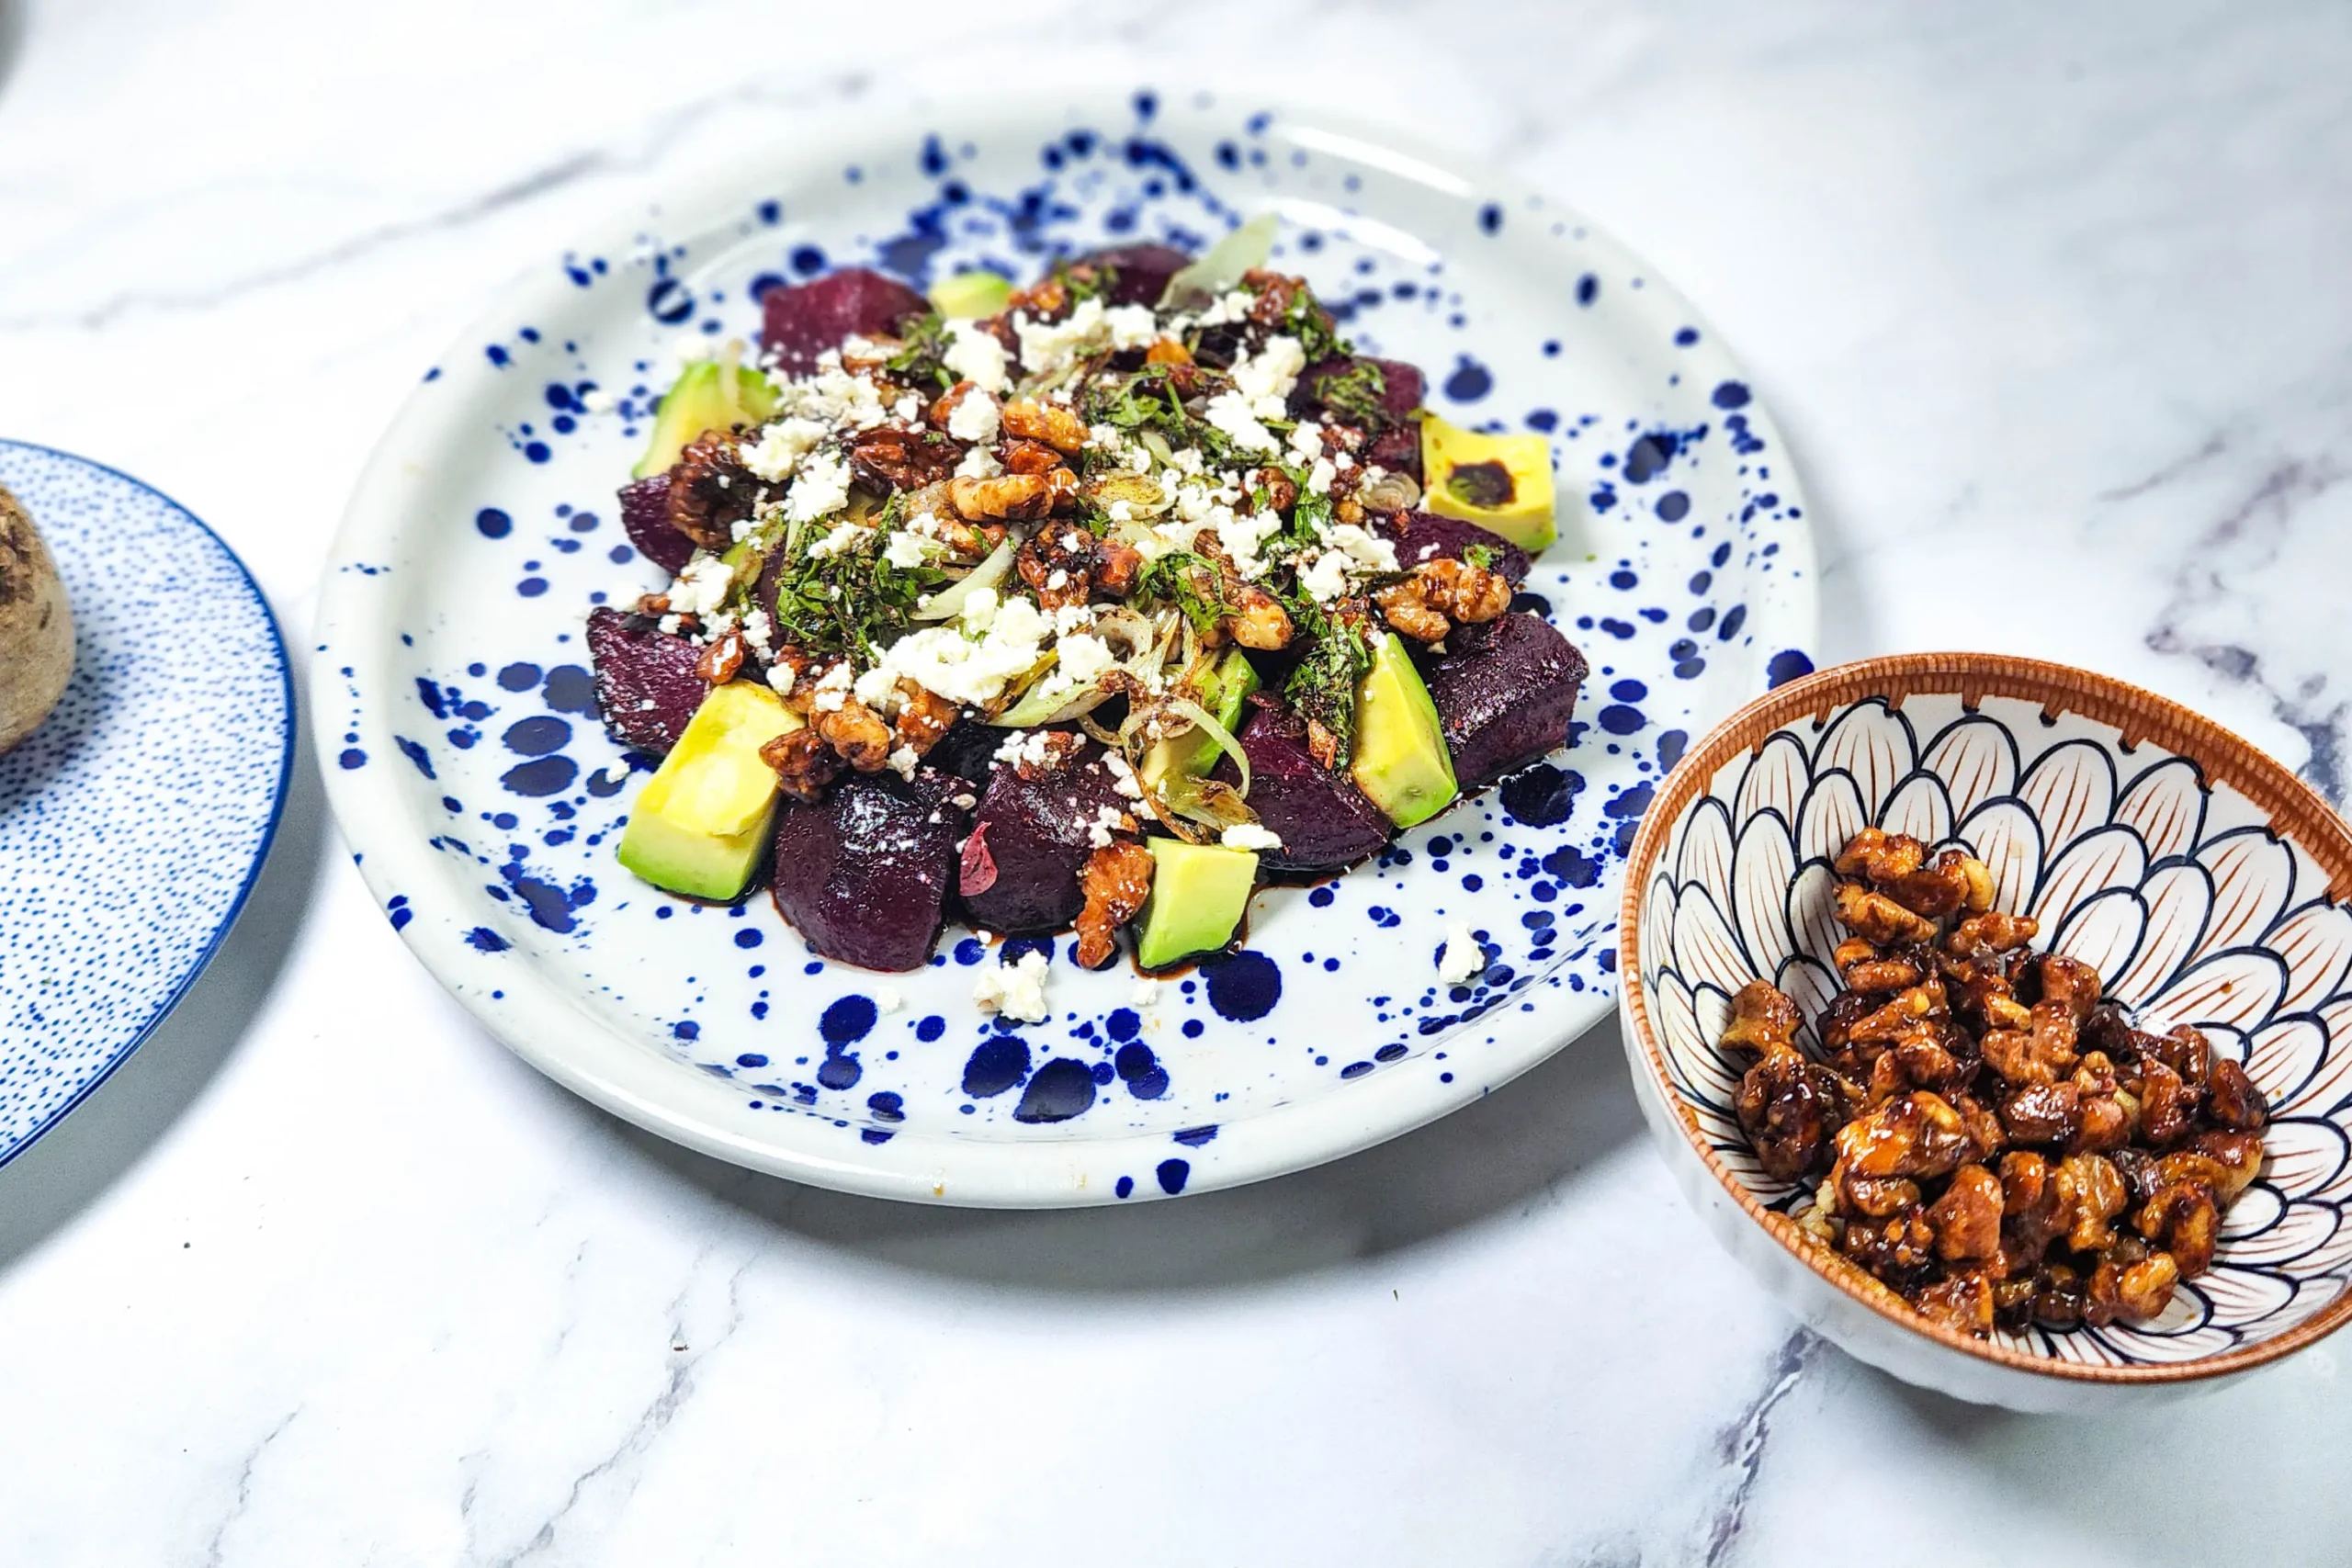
[(1985, 1133)]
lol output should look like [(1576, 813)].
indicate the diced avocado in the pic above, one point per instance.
[(1500, 482), (1225, 695), (702, 821), (709, 394), (971, 295), (1401, 763), (1199, 893)]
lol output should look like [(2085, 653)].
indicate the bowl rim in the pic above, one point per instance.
[(2295, 811)]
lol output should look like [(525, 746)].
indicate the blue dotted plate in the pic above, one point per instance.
[(134, 820), (466, 763)]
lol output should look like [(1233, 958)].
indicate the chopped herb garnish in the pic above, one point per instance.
[(1323, 688), (1189, 581), (1358, 394), (919, 356)]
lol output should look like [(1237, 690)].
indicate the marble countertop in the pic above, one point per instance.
[(2050, 302)]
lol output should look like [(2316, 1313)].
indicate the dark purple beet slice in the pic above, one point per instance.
[(967, 750), (1035, 833), (1397, 449), (1401, 387), (1142, 271), (1321, 818), (1504, 692), (646, 684), (803, 321), (645, 513), (864, 875), (1425, 536)]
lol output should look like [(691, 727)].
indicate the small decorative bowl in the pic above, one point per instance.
[(2203, 880)]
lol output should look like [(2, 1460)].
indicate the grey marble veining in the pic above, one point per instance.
[(2049, 300)]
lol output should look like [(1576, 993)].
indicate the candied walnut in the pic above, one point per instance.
[(2130, 1282), (1838, 1020), (1877, 918), (1048, 753), (1012, 497), (1991, 930), (721, 659), (1116, 568), (2142, 1179), (710, 490), (942, 407), (2107, 1028), (1984, 1128), (2061, 1296), (2068, 984), (1898, 1248), (2233, 1100), (2235, 1159), (1964, 1301), (2013, 1302), (2168, 1105), (1057, 426), (1029, 457), (1117, 881), (1790, 1108), (1763, 1019), (1912, 1134), (804, 764), (904, 459), (1428, 602), (1280, 491), (1876, 1196), (1878, 855), (2090, 1192), (1277, 293), (2040, 1054), (1933, 1057), (1257, 618), (1057, 563), (852, 729), (2185, 1221), (1865, 967), (2033, 1215), (1968, 1216), (923, 716), (2042, 1114), (2185, 1051), (1062, 490), (1893, 1020), (1955, 880)]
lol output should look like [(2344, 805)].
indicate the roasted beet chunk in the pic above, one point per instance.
[(967, 750), (646, 684), (645, 515), (1400, 390), (1504, 692), (805, 320), (1424, 535), (865, 874), (1321, 818), (1140, 273), (1031, 840)]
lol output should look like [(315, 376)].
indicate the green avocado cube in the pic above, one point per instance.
[(1199, 893), (971, 295), (1401, 763), (702, 821), (709, 394)]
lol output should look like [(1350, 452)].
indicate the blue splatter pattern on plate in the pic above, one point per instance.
[(466, 758), (134, 820)]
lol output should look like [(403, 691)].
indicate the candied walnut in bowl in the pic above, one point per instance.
[(1999, 1015)]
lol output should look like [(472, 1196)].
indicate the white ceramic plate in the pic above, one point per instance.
[(133, 821), (466, 766)]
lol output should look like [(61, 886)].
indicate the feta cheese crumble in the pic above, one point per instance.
[(1250, 836), (976, 417), (1014, 990), (975, 356), (1461, 957)]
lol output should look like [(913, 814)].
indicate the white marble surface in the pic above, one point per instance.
[(2051, 302)]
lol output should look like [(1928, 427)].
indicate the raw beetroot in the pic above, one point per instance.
[(646, 684), (803, 321), (1323, 820), (1505, 692), (864, 875), (645, 516), (1031, 839)]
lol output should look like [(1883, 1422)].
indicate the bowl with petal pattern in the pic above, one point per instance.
[(2204, 882)]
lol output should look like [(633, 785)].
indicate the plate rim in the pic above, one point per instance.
[(279, 789), (532, 1013)]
